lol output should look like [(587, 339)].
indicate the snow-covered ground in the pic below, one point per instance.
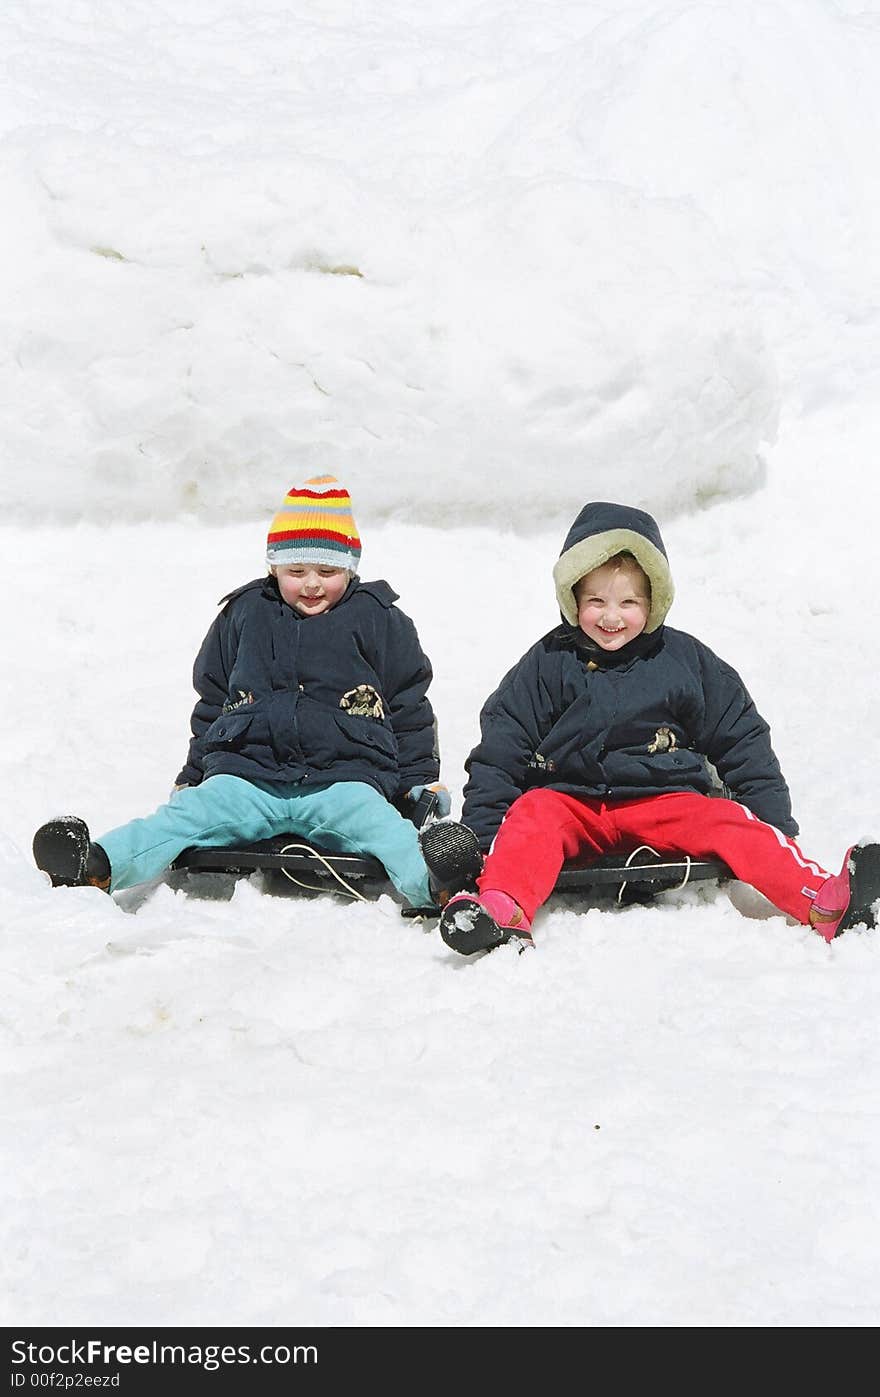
[(484, 265)]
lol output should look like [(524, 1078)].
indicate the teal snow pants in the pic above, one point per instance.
[(348, 817)]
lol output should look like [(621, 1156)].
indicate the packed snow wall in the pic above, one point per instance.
[(480, 270)]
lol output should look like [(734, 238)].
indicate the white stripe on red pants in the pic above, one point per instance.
[(542, 829)]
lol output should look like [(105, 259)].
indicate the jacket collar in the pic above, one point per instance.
[(573, 638)]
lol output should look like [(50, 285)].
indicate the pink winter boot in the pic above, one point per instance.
[(847, 898), (472, 923)]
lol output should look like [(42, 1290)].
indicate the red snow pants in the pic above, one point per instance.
[(542, 829)]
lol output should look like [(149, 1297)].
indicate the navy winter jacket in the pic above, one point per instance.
[(279, 693), (620, 725)]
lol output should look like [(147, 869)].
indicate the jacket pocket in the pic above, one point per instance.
[(369, 732), (681, 767), (228, 730)]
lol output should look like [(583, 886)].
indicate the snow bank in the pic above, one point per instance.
[(279, 271), (187, 340)]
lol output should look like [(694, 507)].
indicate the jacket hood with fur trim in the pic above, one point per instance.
[(601, 531)]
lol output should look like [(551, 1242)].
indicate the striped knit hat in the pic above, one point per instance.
[(315, 525)]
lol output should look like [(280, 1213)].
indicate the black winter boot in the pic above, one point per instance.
[(469, 924), (864, 887), (63, 849), (453, 858)]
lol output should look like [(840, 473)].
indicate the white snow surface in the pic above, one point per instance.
[(484, 264)]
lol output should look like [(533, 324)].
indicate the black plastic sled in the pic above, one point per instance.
[(634, 877)]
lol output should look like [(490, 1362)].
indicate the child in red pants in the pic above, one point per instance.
[(599, 739)]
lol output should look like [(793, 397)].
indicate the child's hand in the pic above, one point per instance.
[(444, 800)]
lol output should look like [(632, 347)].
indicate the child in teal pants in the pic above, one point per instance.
[(312, 719)]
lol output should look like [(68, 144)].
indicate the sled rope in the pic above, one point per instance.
[(307, 849), (646, 848)]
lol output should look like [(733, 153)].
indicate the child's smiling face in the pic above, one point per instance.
[(614, 603), (310, 588)]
